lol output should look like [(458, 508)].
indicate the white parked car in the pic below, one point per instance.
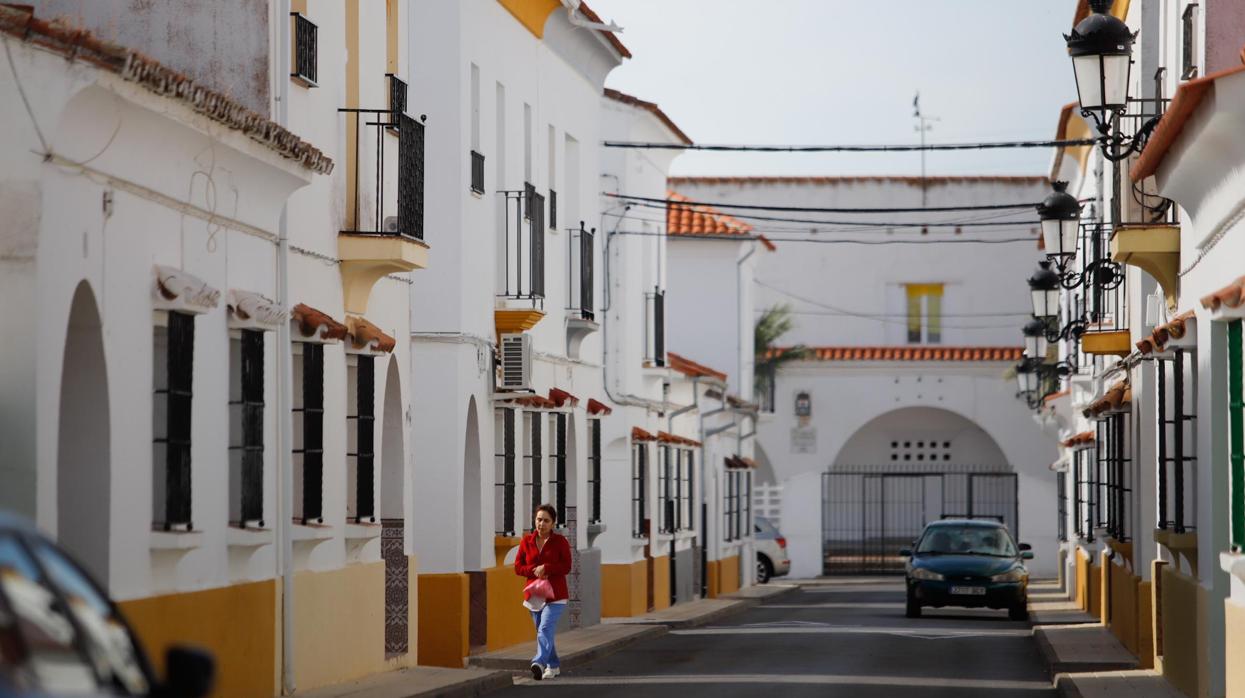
[(772, 560)]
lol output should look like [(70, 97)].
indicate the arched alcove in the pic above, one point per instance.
[(393, 453), (472, 512), (921, 438), (83, 467), (393, 517)]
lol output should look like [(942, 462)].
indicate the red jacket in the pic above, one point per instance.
[(556, 557)]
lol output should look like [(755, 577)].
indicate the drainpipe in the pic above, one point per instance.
[(285, 395), (739, 321)]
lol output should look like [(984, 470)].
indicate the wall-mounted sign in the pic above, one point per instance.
[(803, 405), (804, 440)]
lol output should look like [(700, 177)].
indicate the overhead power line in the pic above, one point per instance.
[(870, 224), (996, 145), (811, 209), (826, 241)]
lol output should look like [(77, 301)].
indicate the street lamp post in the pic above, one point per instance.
[(1060, 213), (1044, 288)]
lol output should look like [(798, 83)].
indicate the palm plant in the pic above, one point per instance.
[(774, 322)]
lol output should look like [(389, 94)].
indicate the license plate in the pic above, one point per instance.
[(969, 591)]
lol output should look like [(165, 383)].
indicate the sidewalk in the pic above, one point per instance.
[(1085, 659), (704, 611), (575, 647), (424, 682)]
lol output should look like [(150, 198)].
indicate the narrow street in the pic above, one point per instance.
[(842, 638)]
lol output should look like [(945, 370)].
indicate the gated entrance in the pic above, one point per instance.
[(870, 513)]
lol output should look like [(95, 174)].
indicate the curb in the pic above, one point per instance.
[(472, 688), (1058, 668), (584, 656)]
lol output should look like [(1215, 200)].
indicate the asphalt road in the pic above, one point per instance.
[(832, 639)]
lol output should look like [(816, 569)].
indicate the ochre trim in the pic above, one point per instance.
[(532, 14), (1154, 249), (1116, 343), (507, 621), (365, 259), (509, 321), (444, 617), (624, 589)]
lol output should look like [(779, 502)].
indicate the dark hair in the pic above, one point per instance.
[(548, 509)]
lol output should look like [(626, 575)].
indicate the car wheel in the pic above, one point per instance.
[(765, 569), (913, 607), (1018, 612)]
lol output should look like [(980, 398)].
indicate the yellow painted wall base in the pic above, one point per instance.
[(1145, 625), (624, 590), (1104, 589), (236, 623), (661, 582), (1234, 646), (1082, 580), (339, 624), (728, 571), (444, 615), (509, 622), (1123, 601), (1181, 632)]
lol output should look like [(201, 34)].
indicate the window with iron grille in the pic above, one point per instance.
[(246, 429), (532, 456), (594, 470), (639, 488), (538, 244), (1061, 507), (687, 461), (1114, 464), (557, 466), (655, 327), (173, 377), (503, 471), (1188, 42), (665, 487), (553, 209), (305, 50), (730, 506), (529, 200), (1236, 434), (1177, 434), (745, 520), (308, 447), (361, 440), (397, 99), (410, 177), (477, 172), (1084, 493)]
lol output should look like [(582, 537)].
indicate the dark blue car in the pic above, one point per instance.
[(969, 563)]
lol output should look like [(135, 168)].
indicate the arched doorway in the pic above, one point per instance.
[(472, 512), (393, 517), (901, 470), (83, 466)]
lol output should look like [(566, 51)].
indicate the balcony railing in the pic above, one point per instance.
[(304, 66), (580, 261), (397, 100), (379, 207), (1139, 203), (477, 172), (1104, 284), (655, 327), (523, 261)]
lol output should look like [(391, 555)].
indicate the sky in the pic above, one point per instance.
[(828, 72)]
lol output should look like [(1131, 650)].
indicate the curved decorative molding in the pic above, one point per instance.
[(182, 292), (367, 338), (252, 311), (316, 326)]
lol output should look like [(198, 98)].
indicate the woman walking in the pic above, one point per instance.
[(546, 555)]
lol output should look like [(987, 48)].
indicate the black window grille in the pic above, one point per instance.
[(744, 525), (397, 99), (1061, 507), (538, 245), (594, 470), (529, 200), (553, 209), (311, 450), (523, 276), (504, 459), (305, 50), (535, 453), (246, 406), (1188, 42), (1113, 464), (655, 329), (477, 172), (1176, 434), (1236, 434), (580, 263), (174, 379), (364, 455), (410, 177), (666, 483), (730, 504), (639, 488), (687, 480), (557, 462)]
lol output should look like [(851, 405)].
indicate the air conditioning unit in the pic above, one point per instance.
[(516, 362)]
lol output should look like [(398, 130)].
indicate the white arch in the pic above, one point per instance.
[(473, 508), (921, 437)]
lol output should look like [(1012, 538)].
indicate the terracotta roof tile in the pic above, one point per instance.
[(685, 218), (1232, 296), (309, 320), (561, 398), (652, 107), (1173, 329), (668, 438), (77, 44), (609, 36), (769, 244), (1117, 397), (536, 402), (1188, 98), (912, 353), (690, 368), (859, 179), (364, 334), (638, 434), (739, 462), (599, 408), (1055, 396), (1084, 438)]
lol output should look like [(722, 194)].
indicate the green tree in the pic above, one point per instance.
[(774, 322)]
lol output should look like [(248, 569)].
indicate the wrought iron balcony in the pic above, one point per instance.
[(580, 261), (655, 327), (522, 273), (397, 100), (381, 205)]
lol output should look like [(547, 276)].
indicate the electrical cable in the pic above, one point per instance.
[(862, 227), (823, 241), (877, 317), (715, 204), (875, 224), (995, 145)]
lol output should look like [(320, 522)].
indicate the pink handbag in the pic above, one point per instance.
[(539, 588)]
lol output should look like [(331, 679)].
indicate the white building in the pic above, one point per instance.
[(910, 342), (209, 410)]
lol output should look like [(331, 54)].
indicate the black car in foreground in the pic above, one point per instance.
[(970, 563), (60, 634)]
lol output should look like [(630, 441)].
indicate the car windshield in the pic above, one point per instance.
[(967, 540)]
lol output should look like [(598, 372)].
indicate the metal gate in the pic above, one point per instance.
[(869, 514)]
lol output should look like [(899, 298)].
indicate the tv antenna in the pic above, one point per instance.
[(923, 126)]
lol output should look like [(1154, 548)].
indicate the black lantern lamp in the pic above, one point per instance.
[(1026, 377), (1035, 339), (1035, 379), (1101, 47), (1044, 285), (1060, 213)]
